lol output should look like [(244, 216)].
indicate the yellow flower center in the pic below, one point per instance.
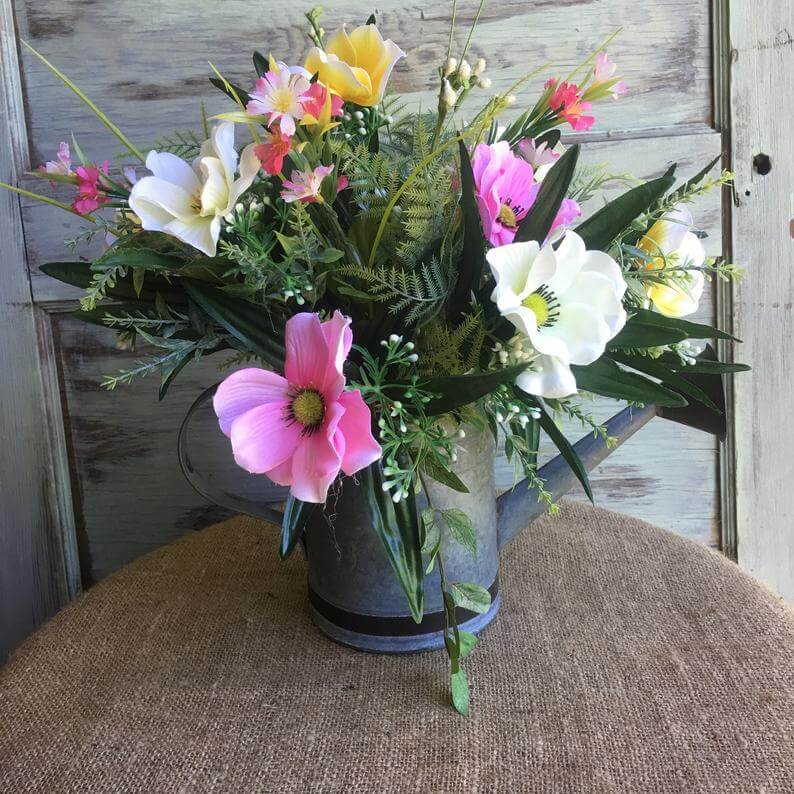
[(507, 217), (282, 100), (308, 408), (543, 305)]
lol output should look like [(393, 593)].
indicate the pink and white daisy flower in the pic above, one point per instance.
[(280, 96), (302, 429)]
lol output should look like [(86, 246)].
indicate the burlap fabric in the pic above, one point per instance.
[(625, 659)]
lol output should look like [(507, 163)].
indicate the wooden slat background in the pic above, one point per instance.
[(762, 35), (145, 64)]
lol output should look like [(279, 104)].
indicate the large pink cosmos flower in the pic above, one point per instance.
[(302, 429), (504, 188)]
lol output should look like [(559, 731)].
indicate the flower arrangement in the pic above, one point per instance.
[(383, 279)]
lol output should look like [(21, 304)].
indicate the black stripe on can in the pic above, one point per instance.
[(390, 626)]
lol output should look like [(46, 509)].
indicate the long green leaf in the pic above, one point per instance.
[(473, 254), (608, 223), (245, 321), (692, 330), (455, 391), (605, 377), (537, 223), (397, 525), (566, 450), (703, 366), (143, 258), (637, 333), (230, 89), (672, 380), (296, 514), (79, 274)]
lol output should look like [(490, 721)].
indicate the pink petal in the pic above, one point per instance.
[(262, 439), (244, 390), (281, 474), (318, 459), (307, 351), (338, 338), (361, 448)]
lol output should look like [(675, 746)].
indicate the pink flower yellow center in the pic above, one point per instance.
[(282, 100), (308, 409)]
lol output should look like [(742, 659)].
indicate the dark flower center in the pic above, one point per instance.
[(307, 407)]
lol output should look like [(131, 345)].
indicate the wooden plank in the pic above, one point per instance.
[(665, 55), (762, 83), (33, 583)]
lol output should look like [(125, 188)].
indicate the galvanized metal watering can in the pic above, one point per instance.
[(355, 598)]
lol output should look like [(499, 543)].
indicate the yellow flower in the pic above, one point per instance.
[(355, 66), (672, 246)]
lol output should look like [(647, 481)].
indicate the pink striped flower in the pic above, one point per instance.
[(302, 429), (504, 189), (305, 185)]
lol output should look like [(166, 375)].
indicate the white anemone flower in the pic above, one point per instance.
[(189, 202), (670, 244), (567, 303)]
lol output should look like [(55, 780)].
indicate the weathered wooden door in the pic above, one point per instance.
[(90, 479)]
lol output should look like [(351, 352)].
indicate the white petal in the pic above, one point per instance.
[(215, 192), (249, 167), (570, 256), (605, 265), (511, 266), (547, 377), (598, 292), (691, 252), (151, 196), (201, 232), (581, 331), (171, 168), (223, 148)]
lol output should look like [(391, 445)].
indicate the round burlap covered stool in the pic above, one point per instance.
[(624, 659)]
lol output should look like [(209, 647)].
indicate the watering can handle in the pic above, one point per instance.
[(203, 486), (520, 506)]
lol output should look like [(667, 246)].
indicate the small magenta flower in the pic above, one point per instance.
[(90, 195), (567, 102), (280, 95), (504, 188), (302, 429), (305, 185)]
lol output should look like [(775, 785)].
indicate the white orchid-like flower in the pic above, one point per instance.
[(567, 303), (672, 246), (189, 202)]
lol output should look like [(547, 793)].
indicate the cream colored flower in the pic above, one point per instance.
[(189, 202), (567, 303), (671, 245), (355, 66)]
